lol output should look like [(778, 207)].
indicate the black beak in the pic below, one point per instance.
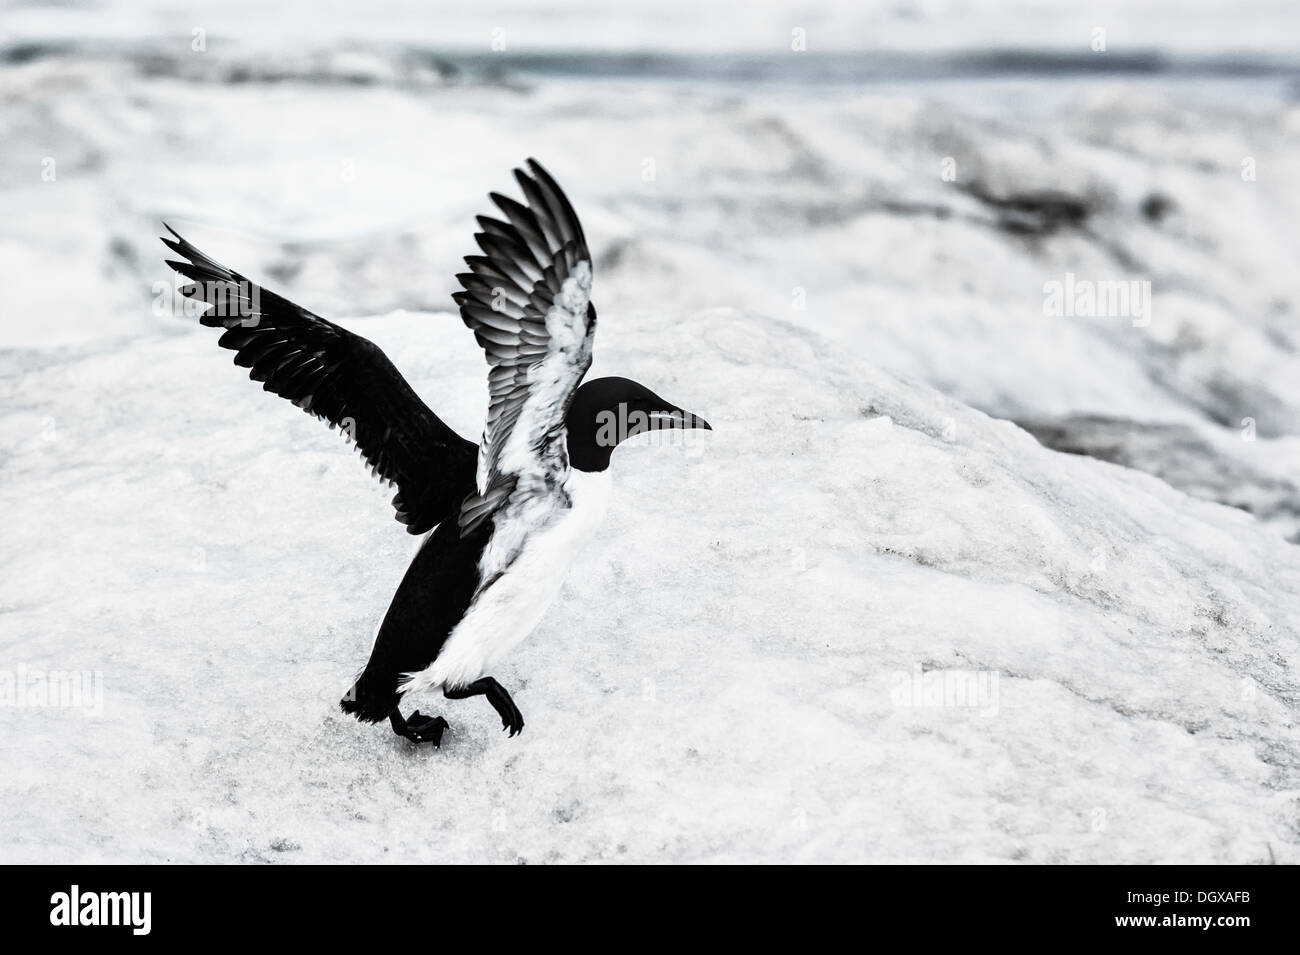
[(678, 418)]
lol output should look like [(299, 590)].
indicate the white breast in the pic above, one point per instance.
[(510, 608)]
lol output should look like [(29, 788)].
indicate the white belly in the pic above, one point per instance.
[(511, 607)]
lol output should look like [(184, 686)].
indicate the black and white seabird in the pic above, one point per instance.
[(501, 520)]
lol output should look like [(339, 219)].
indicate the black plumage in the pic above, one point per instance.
[(340, 377)]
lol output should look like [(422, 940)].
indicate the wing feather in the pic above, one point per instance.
[(338, 376), (528, 300)]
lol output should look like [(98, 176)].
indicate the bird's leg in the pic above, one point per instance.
[(418, 729), (511, 719)]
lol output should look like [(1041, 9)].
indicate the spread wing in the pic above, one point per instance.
[(340, 377), (528, 300)]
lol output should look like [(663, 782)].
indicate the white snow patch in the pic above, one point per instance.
[(761, 656)]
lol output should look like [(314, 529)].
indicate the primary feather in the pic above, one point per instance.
[(527, 299), (337, 376)]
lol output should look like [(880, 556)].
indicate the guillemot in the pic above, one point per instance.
[(502, 520)]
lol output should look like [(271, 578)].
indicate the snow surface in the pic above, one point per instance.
[(728, 673), (350, 175)]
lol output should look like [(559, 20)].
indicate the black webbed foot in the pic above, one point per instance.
[(419, 729), (512, 721)]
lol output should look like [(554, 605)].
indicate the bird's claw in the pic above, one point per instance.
[(512, 722), (428, 729)]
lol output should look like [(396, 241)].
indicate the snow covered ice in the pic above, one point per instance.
[(868, 618), (729, 673), (828, 208)]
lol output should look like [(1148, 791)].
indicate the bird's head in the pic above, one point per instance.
[(608, 411)]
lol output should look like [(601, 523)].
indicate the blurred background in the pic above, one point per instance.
[(909, 178)]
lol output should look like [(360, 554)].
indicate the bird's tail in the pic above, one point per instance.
[(371, 698)]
